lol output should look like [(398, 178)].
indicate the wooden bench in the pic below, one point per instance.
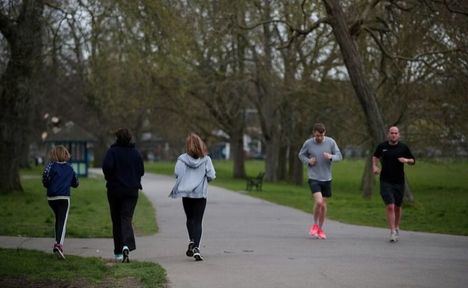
[(256, 182)]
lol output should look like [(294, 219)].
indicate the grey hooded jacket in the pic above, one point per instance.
[(192, 176)]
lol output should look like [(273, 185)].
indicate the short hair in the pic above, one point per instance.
[(393, 126), (318, 127), (123, 136), (59, 154), (195, 146)]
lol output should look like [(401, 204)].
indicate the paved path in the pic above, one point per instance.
[(252, 243)]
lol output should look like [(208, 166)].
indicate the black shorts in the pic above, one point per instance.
[(392, 193), (320, 186)]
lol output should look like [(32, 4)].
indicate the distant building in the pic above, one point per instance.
[(78, 142)]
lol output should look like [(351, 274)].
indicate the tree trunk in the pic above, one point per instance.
[(362, 88), (282, 162), (271, 159), (353, 62), (238, 155), (24, 37), (367, 181), (296, 168)]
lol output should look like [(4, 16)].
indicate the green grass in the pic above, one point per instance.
[(28, 214), (440, 190), (40, 269)]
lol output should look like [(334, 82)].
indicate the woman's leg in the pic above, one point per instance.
[(189, 213), (114, 206), (199, 210), (127, 210)]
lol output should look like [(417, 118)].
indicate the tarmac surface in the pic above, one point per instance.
[(249, 242)]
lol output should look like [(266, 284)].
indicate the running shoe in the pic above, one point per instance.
[(314, 230), (393, 237), (397, 234), (125, 252), (118, 257), (190, 247), (58, 251), (321, 234), (196, 254)]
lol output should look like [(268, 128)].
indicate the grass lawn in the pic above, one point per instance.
[(28, 214), (440, 190), (26, 268)]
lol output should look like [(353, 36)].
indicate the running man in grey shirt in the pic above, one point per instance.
[(318, 153)]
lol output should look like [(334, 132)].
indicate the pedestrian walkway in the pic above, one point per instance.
[(249, 242)]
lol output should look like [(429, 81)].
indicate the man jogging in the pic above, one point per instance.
[(318, 153), (392, 155)]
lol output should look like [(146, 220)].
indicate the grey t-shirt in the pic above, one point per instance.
[(322, 169)]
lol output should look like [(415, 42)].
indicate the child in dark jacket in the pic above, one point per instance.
[(57, 177)]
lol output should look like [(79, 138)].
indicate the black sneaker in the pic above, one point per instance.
[(190, 247), (196, 254), (125, 252)]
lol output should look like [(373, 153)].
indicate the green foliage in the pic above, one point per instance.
[(28, 214), (82, 272), (440, 191)]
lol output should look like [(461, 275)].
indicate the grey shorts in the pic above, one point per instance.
[(320, 186), (392, 193)]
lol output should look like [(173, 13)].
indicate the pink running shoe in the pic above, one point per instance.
[(58, 251), (321, 234), (314, 230)]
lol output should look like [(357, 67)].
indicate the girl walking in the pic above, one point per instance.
[(193, 171), (57, 177)]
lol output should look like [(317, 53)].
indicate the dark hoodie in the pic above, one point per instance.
[(123, 167)]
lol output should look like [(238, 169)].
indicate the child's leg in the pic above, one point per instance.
[(60, 208)]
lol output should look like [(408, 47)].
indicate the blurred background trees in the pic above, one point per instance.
[(233, 71)]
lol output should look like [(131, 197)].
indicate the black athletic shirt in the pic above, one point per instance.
[(392, 169)]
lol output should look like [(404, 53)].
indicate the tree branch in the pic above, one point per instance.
[(447, 4), (410, 59)]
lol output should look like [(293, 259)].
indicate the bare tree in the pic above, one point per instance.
[(22, 27)]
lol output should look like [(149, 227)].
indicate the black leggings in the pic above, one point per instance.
[(122, 206), (60, 208), (194, 209)]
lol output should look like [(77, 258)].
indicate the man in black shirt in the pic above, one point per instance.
[(392, 155)]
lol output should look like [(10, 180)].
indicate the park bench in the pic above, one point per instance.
[(256, 182)]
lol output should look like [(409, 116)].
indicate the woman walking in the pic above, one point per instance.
[(193, 171), (123, 168)]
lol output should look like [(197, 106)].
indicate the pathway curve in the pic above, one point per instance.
[(249, 242)]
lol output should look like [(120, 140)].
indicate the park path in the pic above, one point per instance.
[(249, 242)]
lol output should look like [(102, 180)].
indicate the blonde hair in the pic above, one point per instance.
[(59, 154), (195, 146)]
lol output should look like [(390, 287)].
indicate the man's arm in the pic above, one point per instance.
[(335, 154), (375, 165), (404, 160), (304, 156)]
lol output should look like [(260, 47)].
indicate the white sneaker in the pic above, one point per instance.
[(196, 254), (393, 236), (118, 257), (397, 234), (125, 253)]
